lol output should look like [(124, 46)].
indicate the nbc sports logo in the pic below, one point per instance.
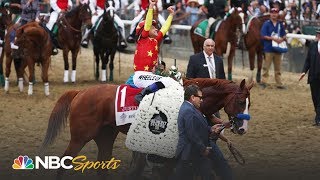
[(22, 162)]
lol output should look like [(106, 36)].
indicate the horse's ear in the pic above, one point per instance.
[(250, 85), (243, 84)]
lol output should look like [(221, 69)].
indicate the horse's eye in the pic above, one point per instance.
[(242, 102)]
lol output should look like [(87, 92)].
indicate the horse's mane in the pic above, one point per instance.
[(212, 86), (73, 11)]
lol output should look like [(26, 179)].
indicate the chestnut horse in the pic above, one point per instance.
[(69, 36), (34, 47), (227, 32), (92, 114), (5, 21), (105, 43)]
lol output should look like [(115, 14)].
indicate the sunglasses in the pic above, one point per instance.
[(198, 96)]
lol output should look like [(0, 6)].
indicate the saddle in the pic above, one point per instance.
[(202, 26)]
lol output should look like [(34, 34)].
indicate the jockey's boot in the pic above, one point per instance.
[(122, 43), (13, 46), (167, 39), (85, 39), (211, 20), (54, 51), (130, 38), (150, 89)]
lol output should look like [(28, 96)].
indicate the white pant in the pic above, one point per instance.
[(116, 19), (53, 19), (143, 79), (137, 19)]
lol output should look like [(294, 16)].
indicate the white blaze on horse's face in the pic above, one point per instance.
[(244, 126)]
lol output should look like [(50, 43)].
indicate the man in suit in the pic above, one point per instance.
[(312, 64), (206, 64), (192, 150)]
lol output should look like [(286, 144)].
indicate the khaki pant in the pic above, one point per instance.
[(276, 58)]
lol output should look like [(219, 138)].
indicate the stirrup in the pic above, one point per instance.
[(13, 46)]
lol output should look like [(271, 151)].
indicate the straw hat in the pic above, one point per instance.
[(195, 1)]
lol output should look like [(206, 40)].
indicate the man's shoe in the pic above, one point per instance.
[(130, 39), (54, 51), (263, 85), (13, 46), (167, 40), (282, 87), (316, 124), (84, 44)]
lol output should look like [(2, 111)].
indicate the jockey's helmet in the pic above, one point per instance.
[(141, 26)]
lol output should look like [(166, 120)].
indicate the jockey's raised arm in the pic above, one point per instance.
[(60, 5)]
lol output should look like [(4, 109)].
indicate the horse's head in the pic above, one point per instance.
[(236, 18), (109, 11), (5, 17), (219, 93), (236, 105), (85, 14)]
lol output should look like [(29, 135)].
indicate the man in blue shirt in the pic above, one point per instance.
[(272, 30)]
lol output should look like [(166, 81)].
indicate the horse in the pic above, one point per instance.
[(69, 36), (227, 32), (105, 43), (92, 117), (252, 41), (34, 47), (5, 21)]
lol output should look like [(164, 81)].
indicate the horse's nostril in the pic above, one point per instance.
[(241, 131)]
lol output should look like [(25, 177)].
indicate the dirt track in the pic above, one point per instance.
[(280, 144)]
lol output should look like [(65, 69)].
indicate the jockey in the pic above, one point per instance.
[(57, 7), (97, 7), (214, 9), (30, 12), (141, 6), (146, 54)]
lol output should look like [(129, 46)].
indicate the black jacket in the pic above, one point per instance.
[(197, 67), (312, 63)]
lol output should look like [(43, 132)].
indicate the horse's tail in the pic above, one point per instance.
[(58, 118)]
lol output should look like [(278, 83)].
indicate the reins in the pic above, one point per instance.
[(237, 155), (69, 25)]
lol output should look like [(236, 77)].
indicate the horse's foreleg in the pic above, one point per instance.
[(8, 71), (45, 79), (259, 59), (111, 65), (74, 64), (72, 150), (30, 64), (105, 140), (20, 73), (230, 61), (137, 165), (104, 62), (66, 65), (252, 53), (1, 67)]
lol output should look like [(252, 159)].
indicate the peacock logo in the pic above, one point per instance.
[(23, 162)]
